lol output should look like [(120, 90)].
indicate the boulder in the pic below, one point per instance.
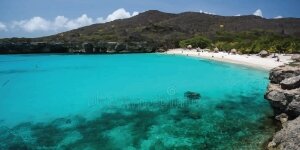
[(280, 73), (290, 83), (277, 100), (293, 107), (287, 138), (296, 57), (192, 95), (282, 118)]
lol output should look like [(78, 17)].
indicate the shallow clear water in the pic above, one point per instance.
[(131, 101)]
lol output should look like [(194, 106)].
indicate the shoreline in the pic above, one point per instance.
[(252, 60)]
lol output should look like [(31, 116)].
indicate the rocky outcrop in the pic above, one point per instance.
[(284, 90), (283, 93), (290, 83), (85, 47), (283, 72), (287, 138)]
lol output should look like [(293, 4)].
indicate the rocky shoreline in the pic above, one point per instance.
[(283, 93), (85, 47)]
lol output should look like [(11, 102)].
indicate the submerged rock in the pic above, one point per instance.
[(192, 95)]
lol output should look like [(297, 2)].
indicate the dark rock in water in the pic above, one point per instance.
[(192, 95), (195, 115), (68, 121), (290, 83), (19, 146)]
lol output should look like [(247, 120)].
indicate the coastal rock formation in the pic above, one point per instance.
[(287, 138), (283, 72), (283, 93), (284, 90), (290, 83), (85, 47)]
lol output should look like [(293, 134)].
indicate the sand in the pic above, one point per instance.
[(266, 63)]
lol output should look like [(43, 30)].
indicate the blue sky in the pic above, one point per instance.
[(32, 18)]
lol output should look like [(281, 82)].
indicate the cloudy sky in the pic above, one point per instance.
[(34, 18)]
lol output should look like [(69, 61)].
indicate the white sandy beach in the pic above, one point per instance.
[(249, 60)]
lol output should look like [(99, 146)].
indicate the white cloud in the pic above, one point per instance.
[(134, 13), (237, 15), (62, 23), (3, 27), (278, 17), (205, 12), (81, 21), (35, 23), (118, 14), (258, 12)]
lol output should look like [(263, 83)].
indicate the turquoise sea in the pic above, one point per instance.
[(130, 101)]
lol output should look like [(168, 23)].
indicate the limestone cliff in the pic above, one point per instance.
[(283, 93)]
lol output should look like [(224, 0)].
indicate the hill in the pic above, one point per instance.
[(151, 31)]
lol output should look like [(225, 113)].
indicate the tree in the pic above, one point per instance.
[(197, 41)]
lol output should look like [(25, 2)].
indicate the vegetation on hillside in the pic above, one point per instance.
[(247, 42), (157, 31), (197, 41)]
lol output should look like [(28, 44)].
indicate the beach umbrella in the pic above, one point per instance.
[(263, 53), (233, 51), (216, 50), (189, 47)]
